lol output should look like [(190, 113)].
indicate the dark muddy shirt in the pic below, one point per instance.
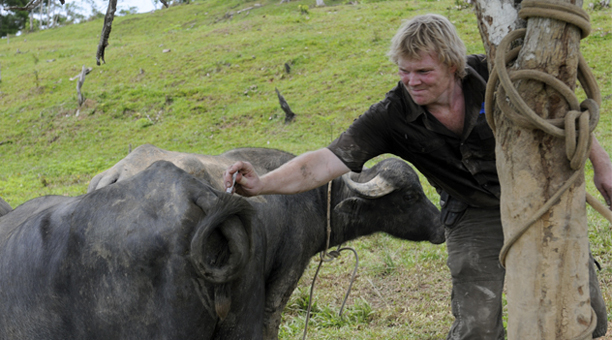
[(461, 166)]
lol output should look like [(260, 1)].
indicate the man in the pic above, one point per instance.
[(433, 119)]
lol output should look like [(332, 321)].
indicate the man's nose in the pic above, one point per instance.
[(413, 80)]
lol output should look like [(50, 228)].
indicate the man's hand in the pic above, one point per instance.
[(302, 173), (247, 182), (603, 182)]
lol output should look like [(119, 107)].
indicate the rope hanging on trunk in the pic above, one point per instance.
[(576, 151), (582, 117)]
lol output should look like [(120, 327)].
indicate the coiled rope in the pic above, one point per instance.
[(582, 117)]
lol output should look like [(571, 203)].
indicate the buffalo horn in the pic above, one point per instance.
[(376, 187)]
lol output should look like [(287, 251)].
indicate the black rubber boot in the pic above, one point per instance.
[(597, 302)]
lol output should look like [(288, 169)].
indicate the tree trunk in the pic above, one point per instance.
[(547, 268), (496, 18), (55, 15), (48, 13)]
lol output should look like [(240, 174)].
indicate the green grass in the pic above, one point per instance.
[(215, 90)]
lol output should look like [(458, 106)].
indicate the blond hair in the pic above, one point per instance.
[(429, 33)]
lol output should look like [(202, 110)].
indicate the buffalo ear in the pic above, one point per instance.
[(350, 206), (223, 300), (230, 217), (206, 200)]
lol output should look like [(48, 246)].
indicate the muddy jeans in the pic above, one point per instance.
[(473, 245)]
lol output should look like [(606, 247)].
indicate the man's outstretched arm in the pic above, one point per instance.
[(307, 171)]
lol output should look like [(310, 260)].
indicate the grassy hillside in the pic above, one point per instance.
[(215, 90)]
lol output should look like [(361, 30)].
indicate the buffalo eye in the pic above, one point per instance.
[(410, 197)]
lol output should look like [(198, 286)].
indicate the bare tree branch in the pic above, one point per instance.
[(80, 84), (87, 70), (289, 115), (106, 29)]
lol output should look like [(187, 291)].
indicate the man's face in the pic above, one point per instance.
[(427, 80)]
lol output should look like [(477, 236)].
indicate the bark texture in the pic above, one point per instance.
[(496, 18)]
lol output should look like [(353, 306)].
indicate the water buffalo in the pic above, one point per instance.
[(386, 198), (160, 256)]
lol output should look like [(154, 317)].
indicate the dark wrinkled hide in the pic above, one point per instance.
[(294, 225), (115, 264)]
